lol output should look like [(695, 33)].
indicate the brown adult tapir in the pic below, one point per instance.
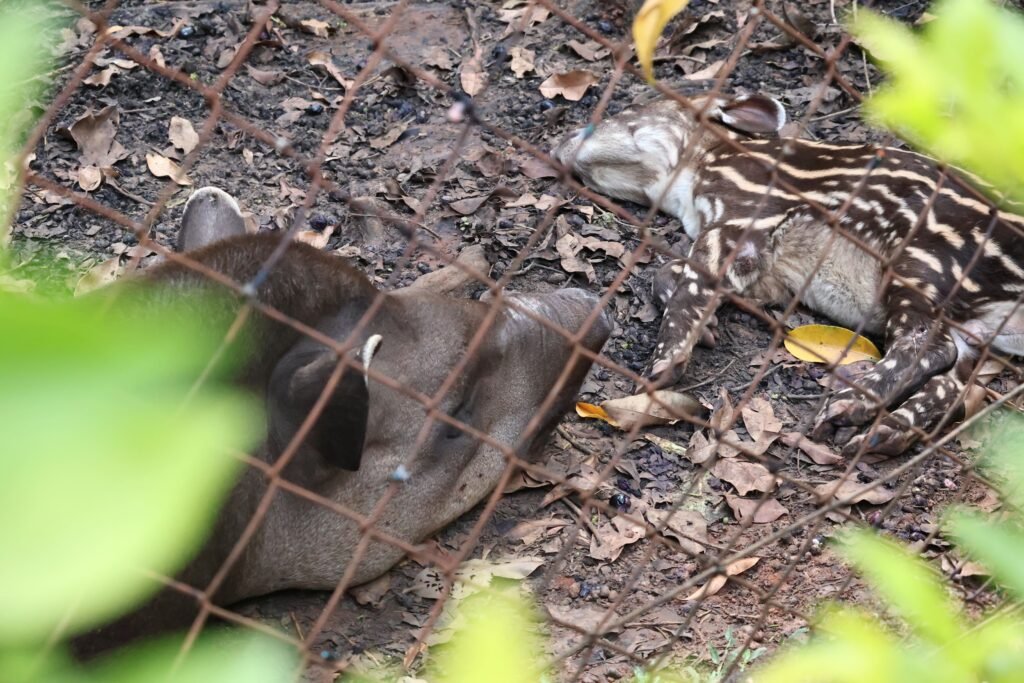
[(367, 431)]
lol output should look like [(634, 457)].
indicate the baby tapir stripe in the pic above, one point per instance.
[(879, 239)]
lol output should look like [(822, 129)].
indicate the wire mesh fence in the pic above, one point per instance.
[(411, 131)]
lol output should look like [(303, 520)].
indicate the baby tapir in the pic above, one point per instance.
[(759, 219), (367, 432)]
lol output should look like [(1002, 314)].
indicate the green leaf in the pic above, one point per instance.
[(955, 89), (227, 658), (906, 584), (497, 641), (24, 55), (107, 470), (1000, 547)]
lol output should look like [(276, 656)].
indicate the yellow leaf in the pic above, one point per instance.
[(825, 344), (590, 410), (647, 27)]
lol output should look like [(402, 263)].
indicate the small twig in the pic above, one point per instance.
[(579, 513), (121, 191), (298, 629), (764, 377), (709, 380), (834, 114), (803, 397), (564, 433)]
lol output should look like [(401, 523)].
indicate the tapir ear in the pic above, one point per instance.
[(211, 215), (295, 386), (754, 114)]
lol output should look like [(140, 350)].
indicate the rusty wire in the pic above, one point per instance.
[(622, 609)]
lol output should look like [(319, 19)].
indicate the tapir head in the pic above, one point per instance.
[(507, 369)]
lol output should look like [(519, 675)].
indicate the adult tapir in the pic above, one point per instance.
[(367, 430)]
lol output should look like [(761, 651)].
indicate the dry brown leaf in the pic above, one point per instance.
[(586, 617), (102, 78), (391, 136), (182, 134), (264, 76), (819, 453), (320, 29), (472, 75), (89, 178), (759, 419), (438, 56), (610, 538), (568, 246), (665, 407), (372, 594), (94, 135), (850, 491), (744, 476), (686, 526), (324, 61), (708, 72), (571, 85), (522, 60), (99, 275), (162, 167), (532, 530), (157, 56), (536, 169), (469, 205), (763, 512), (590, 50), (716, 583)]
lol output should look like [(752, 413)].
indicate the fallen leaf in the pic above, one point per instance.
[(320, 29), (532, 530), (162, 167), (744, 476), (568, 246), (472, 576), (13, 285), (182, 134), (371, 594), (708, 72), (99, 275), (522, 60), (716, 582), (650, 21), (536, 168), (759, 419), (763, 511), (686, 526), (850, 491), (391, 136), (323, 60), (609, 538), (472, 75), (94, 135), (438, 56), (825, 344), (571, 85), (264, 76), (89, 178), (819, 453), (102, 78), (590, 50), (586, 617), (469, 205), (661, 407)]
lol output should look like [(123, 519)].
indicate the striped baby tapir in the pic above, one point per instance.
[(877, 239)]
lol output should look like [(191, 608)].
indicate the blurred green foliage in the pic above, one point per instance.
[(110, 463), (956, 88)]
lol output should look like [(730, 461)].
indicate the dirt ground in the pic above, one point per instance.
[(397, 135)]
